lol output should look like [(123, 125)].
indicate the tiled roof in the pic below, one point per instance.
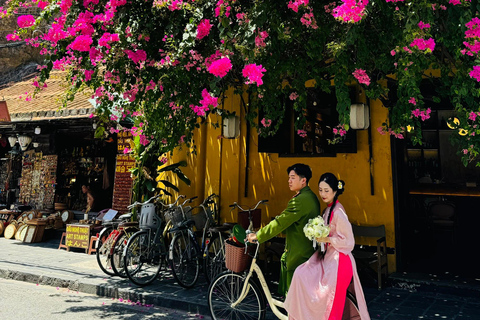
[(47, 104)]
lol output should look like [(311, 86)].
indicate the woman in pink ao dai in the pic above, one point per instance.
[(319, 286)]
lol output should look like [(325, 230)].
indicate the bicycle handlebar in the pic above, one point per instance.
[(189, 200), (172, 204), (209, 199), (236, 205), (137, 204)]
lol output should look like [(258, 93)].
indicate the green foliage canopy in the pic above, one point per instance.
[(166, 63)]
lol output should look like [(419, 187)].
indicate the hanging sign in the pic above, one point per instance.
[(122, 189), (124, 141)]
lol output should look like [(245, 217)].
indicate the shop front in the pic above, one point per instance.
[(52, 168), (436, 201)]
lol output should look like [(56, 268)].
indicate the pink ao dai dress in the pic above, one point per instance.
[(312, 292)]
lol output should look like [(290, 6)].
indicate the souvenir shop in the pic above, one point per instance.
[(48, 167)]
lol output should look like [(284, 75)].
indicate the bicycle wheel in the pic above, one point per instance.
[(117, 254), (214, 258), (226, 289), (103, 250), (142, 259), (184, 260)]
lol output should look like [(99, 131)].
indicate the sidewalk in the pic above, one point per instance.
[(407, 298)]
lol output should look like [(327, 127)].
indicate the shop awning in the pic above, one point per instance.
[(47, 104)]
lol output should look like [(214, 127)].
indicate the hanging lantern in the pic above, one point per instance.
[(24, 141), (359, 116), (12, 140), (231, 127)]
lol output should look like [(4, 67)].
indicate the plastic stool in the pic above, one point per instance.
[(91, 248), (64, 235)]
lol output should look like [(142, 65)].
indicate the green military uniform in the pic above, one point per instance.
[(291, 221)]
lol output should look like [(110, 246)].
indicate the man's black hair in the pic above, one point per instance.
[(302, 170)]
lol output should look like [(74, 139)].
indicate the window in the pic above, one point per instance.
[(321, 117)]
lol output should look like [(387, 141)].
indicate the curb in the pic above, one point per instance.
[(147, 295)]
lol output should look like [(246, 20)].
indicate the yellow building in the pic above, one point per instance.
[(223, 166)]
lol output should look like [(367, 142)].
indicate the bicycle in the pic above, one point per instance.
[(106, 240), (126, 231), (213, 237), (240, 296), (184, 252), (145, 251), (214, 256)]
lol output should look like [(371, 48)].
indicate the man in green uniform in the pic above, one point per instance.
[(303, 206)]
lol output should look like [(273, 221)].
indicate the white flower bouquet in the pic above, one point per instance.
[(316, 228)]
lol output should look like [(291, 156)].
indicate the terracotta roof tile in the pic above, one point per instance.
[(46, 104)]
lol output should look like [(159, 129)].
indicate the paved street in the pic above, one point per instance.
[(408, 297), (55, 303)]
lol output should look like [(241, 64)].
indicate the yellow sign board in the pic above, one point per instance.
[(77, 236)]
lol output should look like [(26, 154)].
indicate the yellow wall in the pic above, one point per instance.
[(219, 166)]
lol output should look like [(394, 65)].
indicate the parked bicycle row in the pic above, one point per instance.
[(177, 237)]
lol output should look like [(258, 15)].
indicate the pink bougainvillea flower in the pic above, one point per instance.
[(350, 11), (423, 25), (308, 20), (260, 39), (208, 100), (294, 5), (293, 96), (25, 21), (472, 116), (220, 67), (136, 56), (13, 37), (413, 101), (200, 111), (88, 74), (55, 33), (423, 44), (81, 43), (302, 133), (42, 4), (475, 73), (65, 6), (203, 29), (108, 38), (361, 76), (86, 3), (254, 73), (266, 122)]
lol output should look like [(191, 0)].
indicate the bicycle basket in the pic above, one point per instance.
[(236, 259), (148, 217), (176, 216), (200, 220)]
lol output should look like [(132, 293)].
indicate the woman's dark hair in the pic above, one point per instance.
[(336, 185), (302, 170)]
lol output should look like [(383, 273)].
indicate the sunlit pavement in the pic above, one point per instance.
[(406, 297)]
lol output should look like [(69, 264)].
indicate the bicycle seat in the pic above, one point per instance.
[(125, 216), (184, 225), (219, 229), (127, 224)]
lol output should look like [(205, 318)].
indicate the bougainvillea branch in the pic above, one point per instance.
[(163, 64)]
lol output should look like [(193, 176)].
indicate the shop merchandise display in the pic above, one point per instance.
[(37, 184)]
